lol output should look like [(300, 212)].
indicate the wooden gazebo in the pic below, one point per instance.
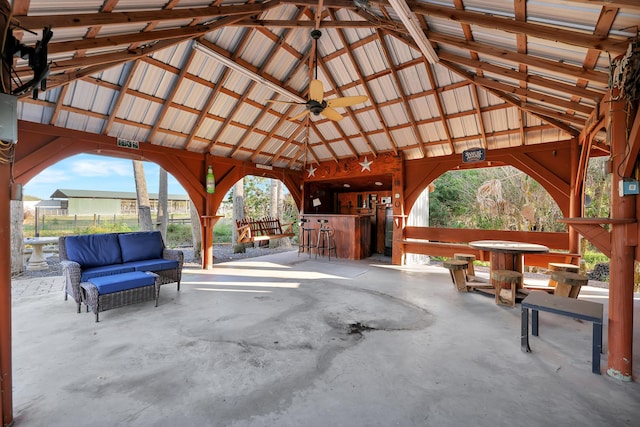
[(540, 86)]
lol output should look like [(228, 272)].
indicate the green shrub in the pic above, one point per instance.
[(593, 258), (222, 231), (179, 235)]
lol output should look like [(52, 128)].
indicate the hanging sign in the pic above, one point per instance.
[(126, 143), (473, 155)]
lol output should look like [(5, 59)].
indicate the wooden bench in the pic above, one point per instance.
[(578, 309), (262, 230)]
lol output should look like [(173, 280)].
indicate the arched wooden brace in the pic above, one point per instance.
[(547, 165), (41, 146)]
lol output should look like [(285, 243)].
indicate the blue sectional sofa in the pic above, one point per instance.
[(97, 255)]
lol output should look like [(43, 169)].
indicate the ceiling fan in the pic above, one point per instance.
[(316, 104)]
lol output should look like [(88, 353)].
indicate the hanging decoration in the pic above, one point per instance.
[(211, 181), (311, 171), (366, 164)]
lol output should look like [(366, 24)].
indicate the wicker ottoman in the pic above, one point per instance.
[(118, 290)]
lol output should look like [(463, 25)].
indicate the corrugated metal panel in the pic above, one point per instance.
[(459, 127), (220, 151), (403, 137), (138, 110), (246, 114), (432, 132), (421, 108), (414, 80), (223, 105), (381, 89), (192, 94), (437, 150), (455, 101), (367, 120), (393, 116), (89, 97), (380, 142), (580, 16), (47, 7), (178, 120), (117, 29), (208, 128), (171, 140), (467, 144), (131, 5)]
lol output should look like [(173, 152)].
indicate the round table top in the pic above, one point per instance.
[(510, 247)]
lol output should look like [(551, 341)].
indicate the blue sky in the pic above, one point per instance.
[(91, 172)]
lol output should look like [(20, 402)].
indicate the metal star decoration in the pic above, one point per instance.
[(366, 165), (312, 171)]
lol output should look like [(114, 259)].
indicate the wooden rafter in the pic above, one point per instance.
[(546, 32), (37, 22)]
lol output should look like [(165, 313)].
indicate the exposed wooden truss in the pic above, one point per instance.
[(476, 83)]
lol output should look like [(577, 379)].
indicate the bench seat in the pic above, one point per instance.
[(563, 306)]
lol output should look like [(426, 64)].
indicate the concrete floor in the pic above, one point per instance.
[(283, 340)]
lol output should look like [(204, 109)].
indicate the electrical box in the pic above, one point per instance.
[(627, 187), (8, 118), (385, 200)]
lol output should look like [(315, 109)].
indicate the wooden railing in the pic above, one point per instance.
[(445, 242)]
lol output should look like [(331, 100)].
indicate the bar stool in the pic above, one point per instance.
[(470, 258), (568, 283), (326, 241), (305, 237), (506, 284), (559, 266), (457, 270)]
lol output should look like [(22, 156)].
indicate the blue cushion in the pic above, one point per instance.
[(140, 246), (121, 282), (106, 270), (153, 264), (93, 250)]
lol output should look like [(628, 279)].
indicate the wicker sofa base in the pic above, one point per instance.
[(99, 303)]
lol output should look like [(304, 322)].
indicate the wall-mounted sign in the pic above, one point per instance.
[(126, 143), (473, 155)]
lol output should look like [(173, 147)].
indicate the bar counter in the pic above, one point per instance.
[(352, 233)]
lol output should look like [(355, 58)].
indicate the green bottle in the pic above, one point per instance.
[(211, 181)]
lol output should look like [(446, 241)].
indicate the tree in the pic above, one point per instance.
[(163, 203), (238, 207), (144, 207), (276, 208), (500, 198), (196, 233)]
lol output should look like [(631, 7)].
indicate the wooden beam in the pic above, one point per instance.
[(546, 32), (37, 22), (508, 55)]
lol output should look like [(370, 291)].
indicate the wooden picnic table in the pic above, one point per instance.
[(507, 255)]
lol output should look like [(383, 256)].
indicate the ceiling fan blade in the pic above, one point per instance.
[(332, 114), (346, 101), (298, 116), (316, 91)]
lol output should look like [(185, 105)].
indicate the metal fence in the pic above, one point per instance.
[(55, 225)]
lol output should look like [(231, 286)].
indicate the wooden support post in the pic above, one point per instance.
[(6, 384), (620, 346)]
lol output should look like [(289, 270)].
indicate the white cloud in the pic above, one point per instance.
[(100, 168), (50, 176)]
